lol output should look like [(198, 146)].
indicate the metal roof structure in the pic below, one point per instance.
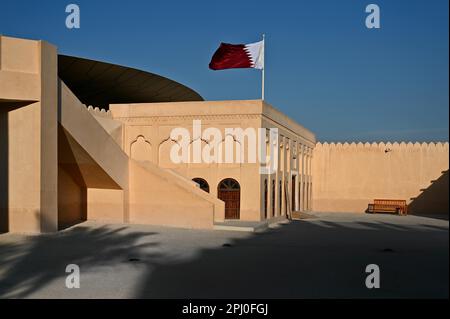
[(100, 84)]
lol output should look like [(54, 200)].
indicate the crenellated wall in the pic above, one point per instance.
[(348, 176), (99, 112)]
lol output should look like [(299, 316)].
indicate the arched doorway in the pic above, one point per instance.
[(229, 191), (203, 184)]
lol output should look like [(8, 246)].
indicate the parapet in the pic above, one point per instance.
[(384, 145), (99, 112)]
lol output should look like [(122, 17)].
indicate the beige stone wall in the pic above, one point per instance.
[(71, 200), (28, 140), (106, 205), (347, 177), (161, 198)]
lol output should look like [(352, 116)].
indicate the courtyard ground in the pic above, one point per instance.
[(321, 257)]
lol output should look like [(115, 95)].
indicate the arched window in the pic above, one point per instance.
[(229, 191), (202, 183), (229, 184)]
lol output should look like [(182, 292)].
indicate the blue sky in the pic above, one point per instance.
[(324, 68)]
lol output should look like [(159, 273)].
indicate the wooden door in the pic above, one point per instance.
[(232, 199), (229, 191)]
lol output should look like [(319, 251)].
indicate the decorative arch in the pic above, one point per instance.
[(192, 158), (237, 147), (141, 149), (164, 150)]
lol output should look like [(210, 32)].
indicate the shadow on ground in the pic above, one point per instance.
[(312, 260), (302, 259), (33, 263)]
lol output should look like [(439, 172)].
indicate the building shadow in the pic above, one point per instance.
[(432, 201), (30, 265), (306, 259)]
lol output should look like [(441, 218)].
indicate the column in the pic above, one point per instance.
[(29, 127), (296, 177), (278, 175), (308, 179), (311, 181)]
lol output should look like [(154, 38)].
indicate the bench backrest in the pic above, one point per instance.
[(398, 202)]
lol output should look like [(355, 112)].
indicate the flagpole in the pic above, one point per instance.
[(264, 67)]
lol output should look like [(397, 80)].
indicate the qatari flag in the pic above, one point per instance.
[(232, 56)]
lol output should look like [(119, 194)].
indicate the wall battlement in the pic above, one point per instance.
[(385, 145), (99, 112)]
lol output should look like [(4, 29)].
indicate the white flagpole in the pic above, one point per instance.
[(264, 67)]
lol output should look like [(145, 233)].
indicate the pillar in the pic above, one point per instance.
[(29, 112)]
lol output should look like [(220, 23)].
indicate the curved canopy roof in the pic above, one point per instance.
[(100, 84)]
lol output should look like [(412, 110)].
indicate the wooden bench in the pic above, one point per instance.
[(397, 206)]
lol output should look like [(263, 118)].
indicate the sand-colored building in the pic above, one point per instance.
[(146, 129), (83, 139)]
